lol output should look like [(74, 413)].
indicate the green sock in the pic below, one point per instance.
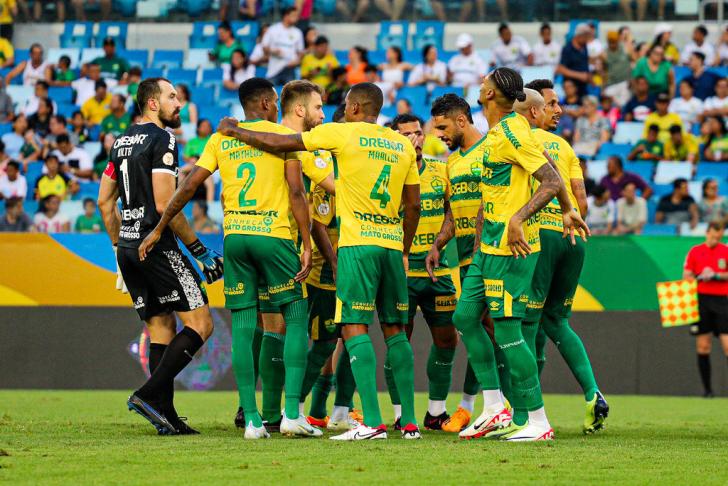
[(480, 349), (504, 371), (439, 372), (295, 314), (402, 361), (272, 374), (319, 395), (540, 349), (391, 384), (572, 349), (364, 368), (257, 342), (525, 387), (317, 356), (243, 332), (471, 385), (345, 384)]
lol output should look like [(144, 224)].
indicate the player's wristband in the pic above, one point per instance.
[(196, 248)]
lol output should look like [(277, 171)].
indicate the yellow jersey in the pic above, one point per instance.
[(254, 187), (325, 65), (372, 165), (464, 173), (689, 147), (316, 167), (663, 122), (323, 207), (568, 166), (6, 11), (6, 50), (511, 155), (95, 111), (433, 187)]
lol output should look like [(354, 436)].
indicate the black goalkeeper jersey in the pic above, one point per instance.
[(142, 150)]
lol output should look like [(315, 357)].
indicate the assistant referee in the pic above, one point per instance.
[(708, 263)]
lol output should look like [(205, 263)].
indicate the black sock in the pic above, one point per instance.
[(179, 353), (156, 351), (704, 367)]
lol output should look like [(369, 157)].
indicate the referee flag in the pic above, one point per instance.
[(678, 302)]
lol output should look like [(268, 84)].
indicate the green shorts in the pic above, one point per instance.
[(265, 306), (501, 282), (436, 299), (371, 277), (321, 308), (251, 260), (556, 276)]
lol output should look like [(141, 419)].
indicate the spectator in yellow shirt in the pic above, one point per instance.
[(317, 65), (7, 53), (681, 146), (662, 118), (96, 108), (8, 10)]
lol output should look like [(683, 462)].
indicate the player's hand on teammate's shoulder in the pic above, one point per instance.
[(148, 244), (432, 261), (306, 264), (227, 126), (517, 239), (573, 224)]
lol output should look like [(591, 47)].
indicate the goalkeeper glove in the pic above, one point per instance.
[(120, 284), (210, 259)]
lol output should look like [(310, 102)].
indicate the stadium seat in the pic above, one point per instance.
[(152, 73), (92, 148), (211, 77), (5, 128), (77, 34), (186, 76), (55, 53), (652, 229), (641, 168), (619, 149), (202, 95), (667, 171), (94, 132), (204, 35), (529, 73), (67, 109), (445, 56), (695, 188), (486, 55), (628, 132), (136, 57), (194, 8), (90, 53), (189, 131), (712, 170), (661, 190), (115, 30), (126, 8), (34, 171), (416, 95), (21, 55), (412, 57), (238, 113), (428, 32), (681, 72), (197, 58), (86, 190), (596, 169), (167, 58), (393, 33), (441, 90), (61, 94), (342, 56), (377, 56), (213, 113), (685, 230), (20, 94), (30, 206), (246, 32), (229, 98)]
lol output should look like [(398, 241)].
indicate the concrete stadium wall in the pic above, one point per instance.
[(86, 348)]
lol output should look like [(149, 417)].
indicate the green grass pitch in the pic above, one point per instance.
[(85, 437)]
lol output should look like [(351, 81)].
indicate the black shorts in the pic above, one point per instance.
[(165, 282), (713, 315)]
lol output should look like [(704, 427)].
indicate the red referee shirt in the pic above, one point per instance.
[(701, 257)]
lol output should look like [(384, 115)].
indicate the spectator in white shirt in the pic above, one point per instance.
[(717, 105), (85, 87), (13, 183), (389, 91), (700, 45), (33, 70), (547, 51), (14, 140), (594, 46), (240, 69), (721, 58), (631, 212), (510, 50), (39, 91), (466, 68), (431, 71), (75, 161), (49, 218), (600, 217), (686, 105), (283, 43)]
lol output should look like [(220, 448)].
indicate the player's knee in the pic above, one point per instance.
[(445, 338), (703, 346)]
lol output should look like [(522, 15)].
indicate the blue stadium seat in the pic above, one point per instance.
[(530, 73), (67, 109), (198, 58), (393, 33), (325, 7), (186, 76), (661, 190), (30, 206), (87, 189), (376, 57), (5, 128), (204, 35), (88, 54), (412, 57), (213, 113), (652, 229), (329, 111), (712, 170), (76, 34), (61, 94), (152, 73), (668, 171), (441, 90), (628, 132), (35, 170), (194, 7), (445, 56), (619, 149), (115, 30), (211, 77), (246, 32), (202, 95), (136, 57), (229, 97), (167, 58), (643, 169), (21, 55), (127, 8), (417, 95), (721, 71), (341, 55), (94, 132), (55, 53), (428, 32), (681, 72)]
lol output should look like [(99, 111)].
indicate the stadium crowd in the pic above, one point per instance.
[(647, 117)]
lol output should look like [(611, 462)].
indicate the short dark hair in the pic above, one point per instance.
[(509, 82), (599, 190), (540, 85), (13, 202), (451, 104), (295, 91), (713, 225), (322, 39), (675, 129), (702, 29), (64, 59), (135, 71), (42, 83), (503, 26), (679, 182), (201, 121), (699, 55), (252, 89), (405, 118), (369, 96), (51, 156), (398, 51), (87, 200), (100, 84), (544, 26), (338, 71), (288, 10), (640, 78), (425, 50), (60, 119), (186, 89), (62, 138), (13, 163), (370, 69), (339, 114), (225, 25), (149, 89), (653, 128), (617, 160)]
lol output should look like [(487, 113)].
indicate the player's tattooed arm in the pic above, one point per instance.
[(411, 202), (108, 195), (579, 190), (299, 208), (269, 142), (562, 195), (478, 229), (573, 222), (447, 232)]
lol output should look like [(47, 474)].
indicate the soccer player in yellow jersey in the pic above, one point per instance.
[(376, 173), (500, 275), (559, 265), (259, 189), (453, 124), (437, 298)]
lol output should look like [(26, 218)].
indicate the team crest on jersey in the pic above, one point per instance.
[(168, 158), (437, 184), (323, 208), (476, 168), (320, 163)]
